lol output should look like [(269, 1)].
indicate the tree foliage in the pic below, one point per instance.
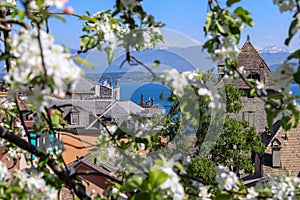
[(38, 67)]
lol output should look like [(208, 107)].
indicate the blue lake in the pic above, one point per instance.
[(133, 91)]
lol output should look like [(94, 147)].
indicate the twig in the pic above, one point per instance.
[(57, 169)]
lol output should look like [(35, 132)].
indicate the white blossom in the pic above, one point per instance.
[(260, 87), (204, 194), (4, 173), (14, 152), (282, 187), (173, 180), (226, 179), (283, 77), (176, 81), (285, 5), (130, 4), (60, 4), (58, 68), (225, 50), (56, 3), (203, 91), (13, 2), (33, 183), (251, 193)]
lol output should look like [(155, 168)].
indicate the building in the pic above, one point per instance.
[(91, 103), (255, 68), (282, 155)]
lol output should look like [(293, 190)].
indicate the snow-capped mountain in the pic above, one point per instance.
[(274, 49)]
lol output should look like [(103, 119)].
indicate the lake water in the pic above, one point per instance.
[(133, 91)]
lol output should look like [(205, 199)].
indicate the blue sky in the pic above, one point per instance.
[(187, 17)]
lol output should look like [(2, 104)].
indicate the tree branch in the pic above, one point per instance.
[(57, 169)]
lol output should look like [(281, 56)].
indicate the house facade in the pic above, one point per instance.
[(255, 68), (282, 155), (89, 103)]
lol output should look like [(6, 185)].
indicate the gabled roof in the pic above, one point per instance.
[(84, 85), (249, 52), (251, 61)]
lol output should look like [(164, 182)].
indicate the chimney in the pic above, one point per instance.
[(142, 104), (221, 69), (97, 90), (262, 73), (152, 102)]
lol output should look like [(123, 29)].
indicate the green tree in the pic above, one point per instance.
[(234, 146)]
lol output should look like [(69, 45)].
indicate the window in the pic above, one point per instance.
[(74, 116), (250, 117), (276, 147), (254, 75)]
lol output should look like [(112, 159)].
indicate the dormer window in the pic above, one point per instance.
[(254, 75), (276, 157), (74, 116), (262, 73), (250, 117)]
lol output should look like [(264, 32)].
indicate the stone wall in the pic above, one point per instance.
[(289, 153), (255, 105)]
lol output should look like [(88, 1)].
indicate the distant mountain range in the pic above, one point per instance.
[(274, 49), (273, 56)]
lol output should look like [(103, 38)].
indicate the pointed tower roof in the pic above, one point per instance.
[(254, 66), (249, 54)]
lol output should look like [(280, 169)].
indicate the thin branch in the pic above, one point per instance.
[(42, 55), (11, 21), (57, 169), (21, 117), (63, 13)]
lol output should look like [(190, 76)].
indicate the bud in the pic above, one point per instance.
[(69, 10)]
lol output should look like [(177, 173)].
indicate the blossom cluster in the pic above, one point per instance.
[(60, 4), (130, 4), (178, 82), (283, 76), (110, 32), (107, 28), (173, 181), (33, 183), (225, 50), (226, 179), (283, 187), (41, 65), (4, 173), (285, 5)]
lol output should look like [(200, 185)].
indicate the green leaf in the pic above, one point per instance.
[(110, 54), (132, 183), (209, 17), (83, 62), (220, 28), (286, 123), (295, 55), (244, 15), (90, 19), (291, 31), (4, 56), (157, 177), (229, 3), (59, 18), (297, 77), (252, 92), (156, 63)]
